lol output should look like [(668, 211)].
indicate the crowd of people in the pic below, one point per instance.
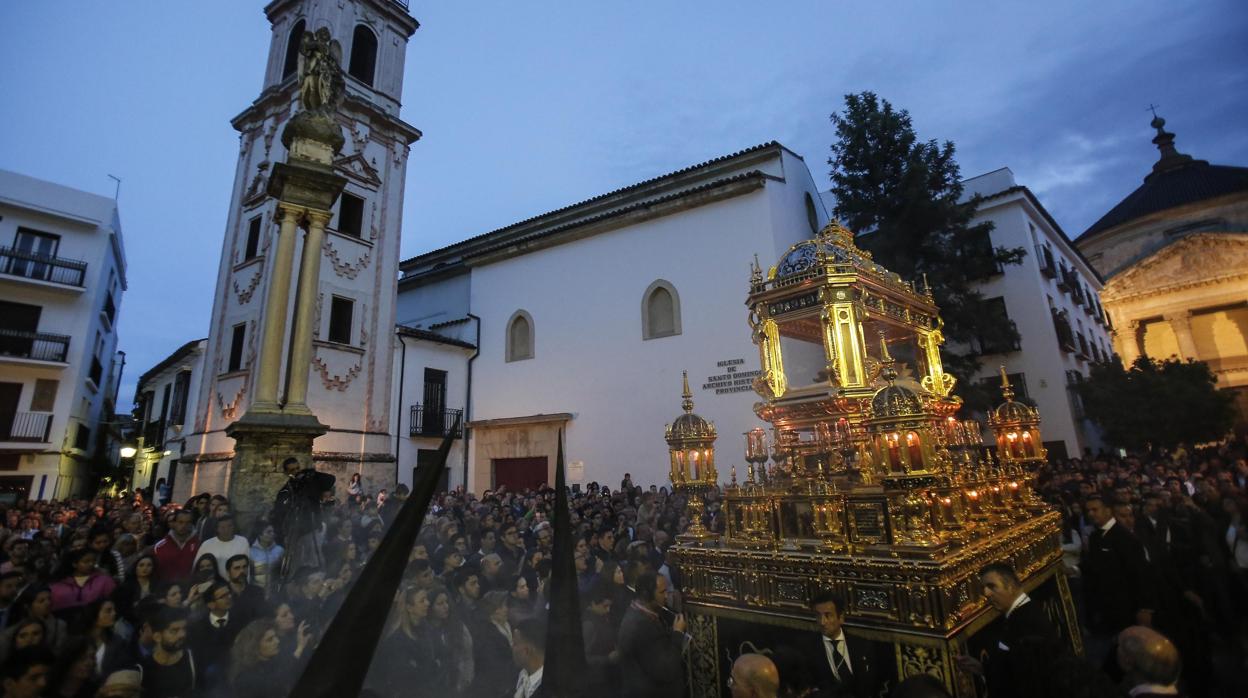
[(124, 597)]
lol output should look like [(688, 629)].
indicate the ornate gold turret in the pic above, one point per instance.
[(876, 487), (691, 447)]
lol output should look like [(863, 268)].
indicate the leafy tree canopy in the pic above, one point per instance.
[(1157, 404), (902, 196)]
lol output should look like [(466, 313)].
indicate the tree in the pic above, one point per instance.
[(1157, 403), (902, 197)]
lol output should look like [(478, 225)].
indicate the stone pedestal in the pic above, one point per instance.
[(262, 441)]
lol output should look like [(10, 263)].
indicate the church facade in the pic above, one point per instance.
[(1175, 255)]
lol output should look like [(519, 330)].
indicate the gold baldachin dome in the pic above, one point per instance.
[(689, 429)]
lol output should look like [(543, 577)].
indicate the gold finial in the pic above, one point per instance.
[(1007, 391), (733, 471), (687, 402), (927, 288), (756, 272), (890, 364)]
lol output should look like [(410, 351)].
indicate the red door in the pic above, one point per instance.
[(519, 474)]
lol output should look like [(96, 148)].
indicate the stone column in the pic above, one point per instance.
[(278, 300), (1181, 323), (305, 312), (1129, 342)]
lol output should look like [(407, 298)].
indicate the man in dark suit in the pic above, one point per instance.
[(1028, 644), (1150, 663), (1116, 579), (844, 665), (651, 653), (212, 636)]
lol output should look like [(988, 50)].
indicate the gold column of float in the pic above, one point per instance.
[(305, 313), (768, 339), (275, 309), (937, 381), (844, 333)]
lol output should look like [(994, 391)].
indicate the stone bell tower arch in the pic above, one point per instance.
[(307, 349)]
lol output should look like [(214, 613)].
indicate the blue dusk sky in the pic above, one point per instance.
[(530, 106)]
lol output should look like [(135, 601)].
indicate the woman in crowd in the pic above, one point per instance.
[(28, 632), (452, 644), (288, 627), (203, 577), (140, 584), (266, 558), (80, 582), (355, 488), (107, 635), (258, 666), (406, 657), (491, 648), (36, 604), (520, 605)]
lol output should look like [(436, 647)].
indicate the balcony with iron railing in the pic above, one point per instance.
[(436, 422), (1065, 335), (154, 434), (36, 346), (27, 427), (66, 273)]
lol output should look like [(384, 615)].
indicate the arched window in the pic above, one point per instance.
[(812, 216), (292, 49), (363, 54), (520, 336), (660, 311)]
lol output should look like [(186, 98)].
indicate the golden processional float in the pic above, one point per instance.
[(875, 488)]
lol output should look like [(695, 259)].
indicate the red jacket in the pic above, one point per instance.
[(174, 562)]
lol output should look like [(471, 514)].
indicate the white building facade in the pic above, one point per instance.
[(62, 275), (588, 315), (1053, 299), (163, 402), (350, 380)]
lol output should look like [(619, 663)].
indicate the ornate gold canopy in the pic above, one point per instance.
[(875, 486)]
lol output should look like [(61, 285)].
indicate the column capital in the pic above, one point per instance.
[(295, 211), (1181, 316), (318, 216)]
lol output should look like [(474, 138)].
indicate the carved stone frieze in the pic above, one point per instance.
[(1196, 260), (335, 382), (346, 270), (244, 294)]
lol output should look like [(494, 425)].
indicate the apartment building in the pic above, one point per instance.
[(62, 275)]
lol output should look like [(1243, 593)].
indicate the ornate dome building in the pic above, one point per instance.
[(1175, 255)]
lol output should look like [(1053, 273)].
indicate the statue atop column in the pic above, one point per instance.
[(320, 73), (313, 134)]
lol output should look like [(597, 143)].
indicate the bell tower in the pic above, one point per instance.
[(287, 338)]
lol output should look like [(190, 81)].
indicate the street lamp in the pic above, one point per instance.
[(128, 451)]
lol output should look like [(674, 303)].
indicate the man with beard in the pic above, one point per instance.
[(297, 514), (170, 671)]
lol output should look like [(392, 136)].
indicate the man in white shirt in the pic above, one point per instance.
[(528, 649), (225, 545), (1149, 661)]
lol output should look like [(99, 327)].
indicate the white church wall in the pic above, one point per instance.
[(585, 298)]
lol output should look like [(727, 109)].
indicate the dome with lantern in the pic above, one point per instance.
[(689, 429), (1011, 412)]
